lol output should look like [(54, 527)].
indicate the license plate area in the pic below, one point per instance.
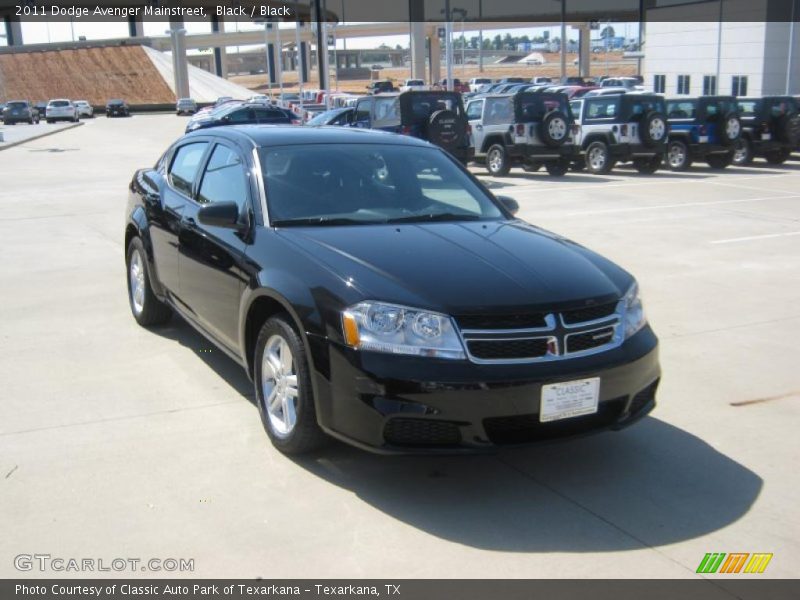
[(569, 399)]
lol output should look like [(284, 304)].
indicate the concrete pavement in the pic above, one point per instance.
[(116, 441)]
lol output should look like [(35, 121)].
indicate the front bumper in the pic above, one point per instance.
[(402, 404)]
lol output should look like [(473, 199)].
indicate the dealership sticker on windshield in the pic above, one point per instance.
[(569, 399)]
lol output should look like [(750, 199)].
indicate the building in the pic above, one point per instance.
[(743, 58)]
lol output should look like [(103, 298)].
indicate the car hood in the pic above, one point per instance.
[(462, 268)]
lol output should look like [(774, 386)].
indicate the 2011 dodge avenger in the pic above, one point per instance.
[(378, 293)]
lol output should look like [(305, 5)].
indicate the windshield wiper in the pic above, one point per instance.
[(432, 217), (322, 221)]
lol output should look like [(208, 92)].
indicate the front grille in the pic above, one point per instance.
[(588, 313), (522, 429), (518, 321), (508, 348), (578, 342), (421, 432)]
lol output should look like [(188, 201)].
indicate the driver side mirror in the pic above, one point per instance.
[(220, 214), (509, 204)]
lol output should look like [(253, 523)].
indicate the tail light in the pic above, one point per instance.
[(576, 129), (765, 127), (405, 130), (520, 129), (469, 129), (296, 122), (623, 130), (703, 130)]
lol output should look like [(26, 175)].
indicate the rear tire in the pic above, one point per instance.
[(719, 161), (146, 308), (558, 168), (283, 389), (497, 161), (777, 157), (648, 166)]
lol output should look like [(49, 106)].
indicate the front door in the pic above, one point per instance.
[(211, 257)]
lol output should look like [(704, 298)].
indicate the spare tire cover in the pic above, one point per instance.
[(554, 129), (653, 129), (446, 128)]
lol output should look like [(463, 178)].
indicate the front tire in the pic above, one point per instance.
[(678, 158), (283, 388), (742, 153), (146, 308), (598, 158), (497, 161), (777, 157), (719, 161)]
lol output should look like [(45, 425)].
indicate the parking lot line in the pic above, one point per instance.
[(755, 237), (677, 205)]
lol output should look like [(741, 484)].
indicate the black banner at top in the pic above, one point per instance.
[(470, 11)]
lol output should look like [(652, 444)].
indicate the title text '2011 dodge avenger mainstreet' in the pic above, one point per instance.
[(376, 292)]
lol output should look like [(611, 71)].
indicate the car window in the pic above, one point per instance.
[(368, 183), (682, 110), (242, 115), (474, 110), (601, 108), (265, 114), (185, 164), (387, 109), (342, 119), (748, 107), (498, 111), (60, 103), (224, 179), (576, 107), (362, 111)]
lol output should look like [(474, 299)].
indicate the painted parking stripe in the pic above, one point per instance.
[(679, 205), (756, 237)]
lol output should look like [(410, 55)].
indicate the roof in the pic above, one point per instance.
[(285, 135)]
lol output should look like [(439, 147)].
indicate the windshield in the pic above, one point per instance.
[(342, 184)]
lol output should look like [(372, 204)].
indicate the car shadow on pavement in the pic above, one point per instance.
[(543, 177), (651, 485), (232, 373)]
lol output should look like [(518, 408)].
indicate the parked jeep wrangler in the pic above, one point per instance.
[(705, 128), (435, 116), (621, 128), (526, 129), (770, 128)]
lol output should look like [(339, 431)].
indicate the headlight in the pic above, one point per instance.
[(633, 317), (397, 329)]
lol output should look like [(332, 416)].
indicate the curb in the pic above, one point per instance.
[(8, 145)]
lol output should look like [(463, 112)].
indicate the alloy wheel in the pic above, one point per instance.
[(136, 275), (597, 158), (279, 385), (495, 161), (676, 155)]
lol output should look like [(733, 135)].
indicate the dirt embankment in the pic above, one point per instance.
[(93, 74)]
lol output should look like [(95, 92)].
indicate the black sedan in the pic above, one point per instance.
[(245, 114), (117, 108), (376, 292)]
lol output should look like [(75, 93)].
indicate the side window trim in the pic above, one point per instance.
[(200, 169), (248, 203)]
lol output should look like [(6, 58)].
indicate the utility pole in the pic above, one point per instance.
[(563, 40)]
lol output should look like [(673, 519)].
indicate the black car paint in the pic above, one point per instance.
[(224, 281)]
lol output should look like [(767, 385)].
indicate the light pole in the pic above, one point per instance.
[(266, 56), (791, 51), (463, 13), (279, 59), (297, 61)]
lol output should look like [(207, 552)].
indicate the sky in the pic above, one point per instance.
[(41, 32)]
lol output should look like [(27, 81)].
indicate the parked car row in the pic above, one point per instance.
[(57, 109)]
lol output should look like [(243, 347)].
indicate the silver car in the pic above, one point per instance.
[(84, 108), (185, 106), (61, 110)]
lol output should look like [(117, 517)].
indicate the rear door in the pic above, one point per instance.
[(498, 116), (212, 257), (165, 219)]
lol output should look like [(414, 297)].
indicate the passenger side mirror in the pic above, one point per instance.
[(220, 214), (509, 204)]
